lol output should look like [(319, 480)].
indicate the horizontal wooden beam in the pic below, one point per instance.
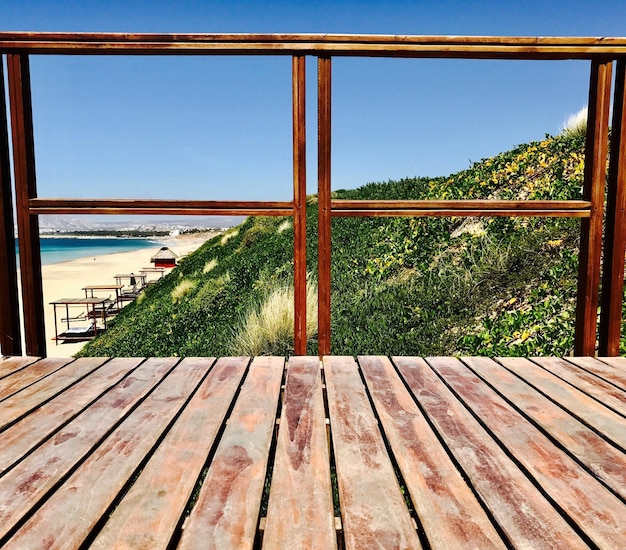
[(480, 208), (157, 207), (453, 213), (315, 44)]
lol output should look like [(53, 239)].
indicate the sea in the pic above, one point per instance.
[(61, 249)]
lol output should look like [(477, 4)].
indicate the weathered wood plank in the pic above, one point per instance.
[(26, 377), (39, 392), (617, 362), (11, 365), (607, 394), (66, 519), (300, 509), (29, 481), (587, 409), (607, 369), (373, 511), (35, 428), (524, 515), (450, 514), (596, 511), (227, 510), (604, 460), (148, 514)]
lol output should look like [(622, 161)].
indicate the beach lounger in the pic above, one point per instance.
[(81, 331)]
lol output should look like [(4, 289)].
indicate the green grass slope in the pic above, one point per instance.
[(422, 286)]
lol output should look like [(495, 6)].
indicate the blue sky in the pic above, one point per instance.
[(220, 127)]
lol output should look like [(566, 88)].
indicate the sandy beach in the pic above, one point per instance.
[(66, 279)]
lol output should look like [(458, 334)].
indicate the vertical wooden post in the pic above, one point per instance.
[(593, 190), (299, 202), (324, 206), (25, 189), (10, 333), (615, 231)]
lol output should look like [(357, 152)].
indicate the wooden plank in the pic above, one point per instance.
[(468, 204), (25, 189), (606, 393), (450, 514), (597, 512), (583, 407), (49, 38), (10, 329), (21, 438), (25, 377), (39, 392), (618, 363), (299, 203), (300, 509), (524, 515), (596, 148), (373, 511), (160, 206), (355, 45), (602, 459), (615, 236), (227, 510), (448, 212), (148, 514), (30, 480), (324, 240), (607, 369), (68, 516), (11, 365)]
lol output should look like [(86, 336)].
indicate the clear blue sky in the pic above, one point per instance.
[(220, 128)]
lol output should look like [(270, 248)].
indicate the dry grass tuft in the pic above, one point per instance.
[(576, 124), (284, 226), (228, 236), (267, 329), (209, 266), (182, 289)]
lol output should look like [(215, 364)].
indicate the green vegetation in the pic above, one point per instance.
[(423, 286)]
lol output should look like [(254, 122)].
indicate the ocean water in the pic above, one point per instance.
[(54, 250)]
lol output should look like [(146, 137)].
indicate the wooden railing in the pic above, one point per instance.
[(602, 53)]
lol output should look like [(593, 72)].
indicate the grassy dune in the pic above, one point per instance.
[(423, 286)]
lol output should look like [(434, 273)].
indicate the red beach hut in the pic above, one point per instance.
[(164, 258)]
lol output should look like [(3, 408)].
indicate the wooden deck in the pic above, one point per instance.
[(379, 453)]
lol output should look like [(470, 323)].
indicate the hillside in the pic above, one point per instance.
[(422, 286)]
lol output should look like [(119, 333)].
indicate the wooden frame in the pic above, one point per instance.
[(10, 332), (615, 239), (26, 189), (601, 52)]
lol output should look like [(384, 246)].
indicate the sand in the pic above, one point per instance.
[(66, 280)]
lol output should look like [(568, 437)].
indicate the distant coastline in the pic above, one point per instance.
[(62, 248)]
